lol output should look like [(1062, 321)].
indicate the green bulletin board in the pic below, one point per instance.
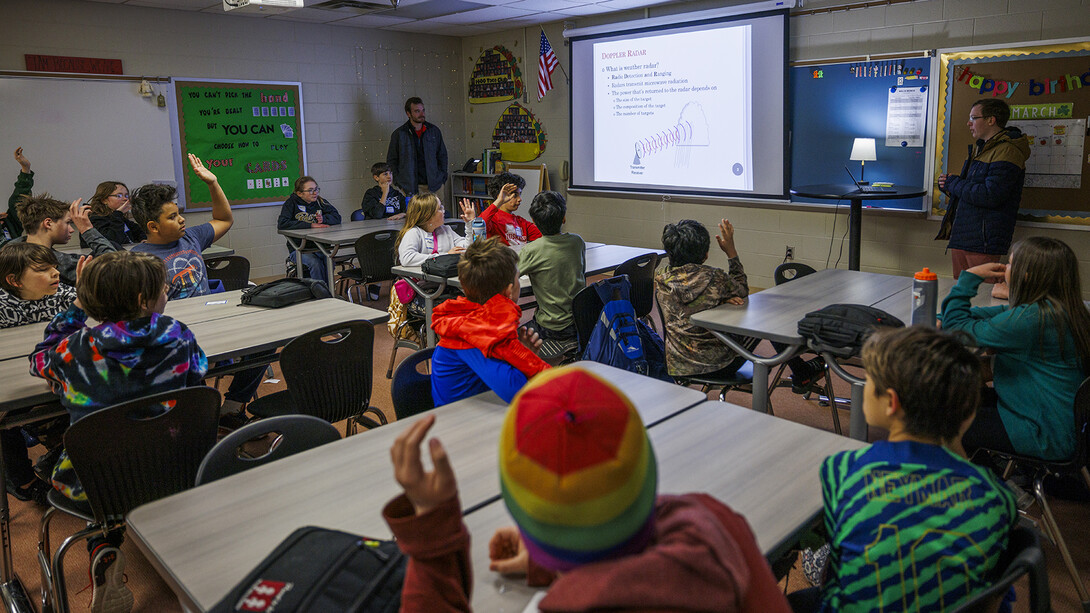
[(250, 134)]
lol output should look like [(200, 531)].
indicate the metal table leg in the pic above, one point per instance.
[(298, 255), (13, 595), (429, 303), (857, 428), (761, 367)]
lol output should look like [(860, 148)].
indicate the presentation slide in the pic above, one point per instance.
[(692, 106), (675, 120)]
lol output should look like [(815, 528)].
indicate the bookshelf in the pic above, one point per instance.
[(472, 185)]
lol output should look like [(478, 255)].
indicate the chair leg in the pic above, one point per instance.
[(832, 401), (393, 356), (60, 588), (1054, 528), (44, 562)]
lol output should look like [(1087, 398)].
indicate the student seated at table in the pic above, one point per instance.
[(111, 214), (912, 524), (134, 352), (685, 286), (49, 222), (556, 264), (306, 209), (578, 474), (499, 217), (156, 208), (1041, 343), (384, 200), (425, 235), (481, 346), (10, 226), (30, 285)]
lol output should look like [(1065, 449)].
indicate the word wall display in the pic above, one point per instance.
[(248, 134)]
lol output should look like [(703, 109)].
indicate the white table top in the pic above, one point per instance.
[(344, 233), (213, 251), (774, 313), (251, 330), (203, 541), (764, 468), (600, 258)]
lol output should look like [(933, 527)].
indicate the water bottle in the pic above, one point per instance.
[(479, 230), (925, 297)]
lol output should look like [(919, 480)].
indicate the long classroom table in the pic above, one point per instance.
[(222, 335), (599, 258), (774, 313), (330, 240), (205, 540)]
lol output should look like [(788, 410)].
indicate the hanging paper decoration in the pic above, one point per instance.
[(519, 135), (496, 77)]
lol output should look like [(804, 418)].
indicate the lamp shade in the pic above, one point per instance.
[(863, 150)]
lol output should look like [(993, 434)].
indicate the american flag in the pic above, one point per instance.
[(546, 64)]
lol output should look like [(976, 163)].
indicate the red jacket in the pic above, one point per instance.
[(703, 558), (509, 228), (491, 327)]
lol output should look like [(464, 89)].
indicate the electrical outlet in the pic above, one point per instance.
[(790, 254)]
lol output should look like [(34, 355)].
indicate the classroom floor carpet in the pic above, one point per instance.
[(153, 595)]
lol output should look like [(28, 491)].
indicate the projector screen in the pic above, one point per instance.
[(687, 108)]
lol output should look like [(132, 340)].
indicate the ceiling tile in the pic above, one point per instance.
[(492, 13), (182, 5), (436, 8), (314, 15), (372, 21), (540, 6)]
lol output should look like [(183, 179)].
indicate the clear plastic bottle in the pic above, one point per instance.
[(479, 230)]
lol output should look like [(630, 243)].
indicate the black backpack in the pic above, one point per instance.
[(284, 292), (316, 570), (841, 329)]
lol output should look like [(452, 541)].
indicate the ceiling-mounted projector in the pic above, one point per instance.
[(267, 7)]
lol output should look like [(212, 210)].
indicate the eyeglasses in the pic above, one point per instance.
[(976, 117), (313, 190), (121, 196)]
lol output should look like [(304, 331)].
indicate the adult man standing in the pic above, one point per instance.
[(991, 190), (417, 155)]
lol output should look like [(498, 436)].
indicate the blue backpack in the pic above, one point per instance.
[(621, 340)]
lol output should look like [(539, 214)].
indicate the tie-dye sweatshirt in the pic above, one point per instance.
[(93, 368)]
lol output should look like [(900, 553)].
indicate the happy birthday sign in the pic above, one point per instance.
[(1007, 88)]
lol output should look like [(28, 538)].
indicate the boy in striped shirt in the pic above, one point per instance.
[(912, 525)]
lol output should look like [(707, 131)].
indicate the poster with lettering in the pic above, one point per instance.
[(250, 134), (496, 77)]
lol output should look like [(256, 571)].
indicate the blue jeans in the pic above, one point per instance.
[(314, 262)]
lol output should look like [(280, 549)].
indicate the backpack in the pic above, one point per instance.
[(621, 340), (284, 292), (316, 570), (841, 329), (445, 265)]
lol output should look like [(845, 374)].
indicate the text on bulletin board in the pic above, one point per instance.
[(250, 134)]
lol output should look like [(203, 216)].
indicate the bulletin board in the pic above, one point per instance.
[(834, 103), (1047, 86), (249, 133)]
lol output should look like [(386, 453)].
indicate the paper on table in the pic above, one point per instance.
[(905, 116), (531, 607)]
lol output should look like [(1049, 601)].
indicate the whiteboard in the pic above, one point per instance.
[(78, 133), (536, 177)]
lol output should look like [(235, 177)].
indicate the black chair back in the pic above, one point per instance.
[(375, 254), (296, 433), (410, 388), (789, 271), (641, 274), (130, 454), (1022, 557), (233, 271), (458, 226), (586, 308), (328, 370)]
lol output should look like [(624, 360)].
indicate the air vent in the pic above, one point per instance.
[(352, 6)]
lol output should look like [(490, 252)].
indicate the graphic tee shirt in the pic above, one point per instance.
[(186, 274), (912, 527)]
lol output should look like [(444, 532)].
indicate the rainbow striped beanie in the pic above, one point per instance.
[(577, 470)]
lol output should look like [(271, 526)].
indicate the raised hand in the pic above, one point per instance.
[(203, 173), (80, 215), (506, 193), (425, 490), (507, 552), (84, 260), (725, 238), (530, 338), (469, 212), (23, 162)]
